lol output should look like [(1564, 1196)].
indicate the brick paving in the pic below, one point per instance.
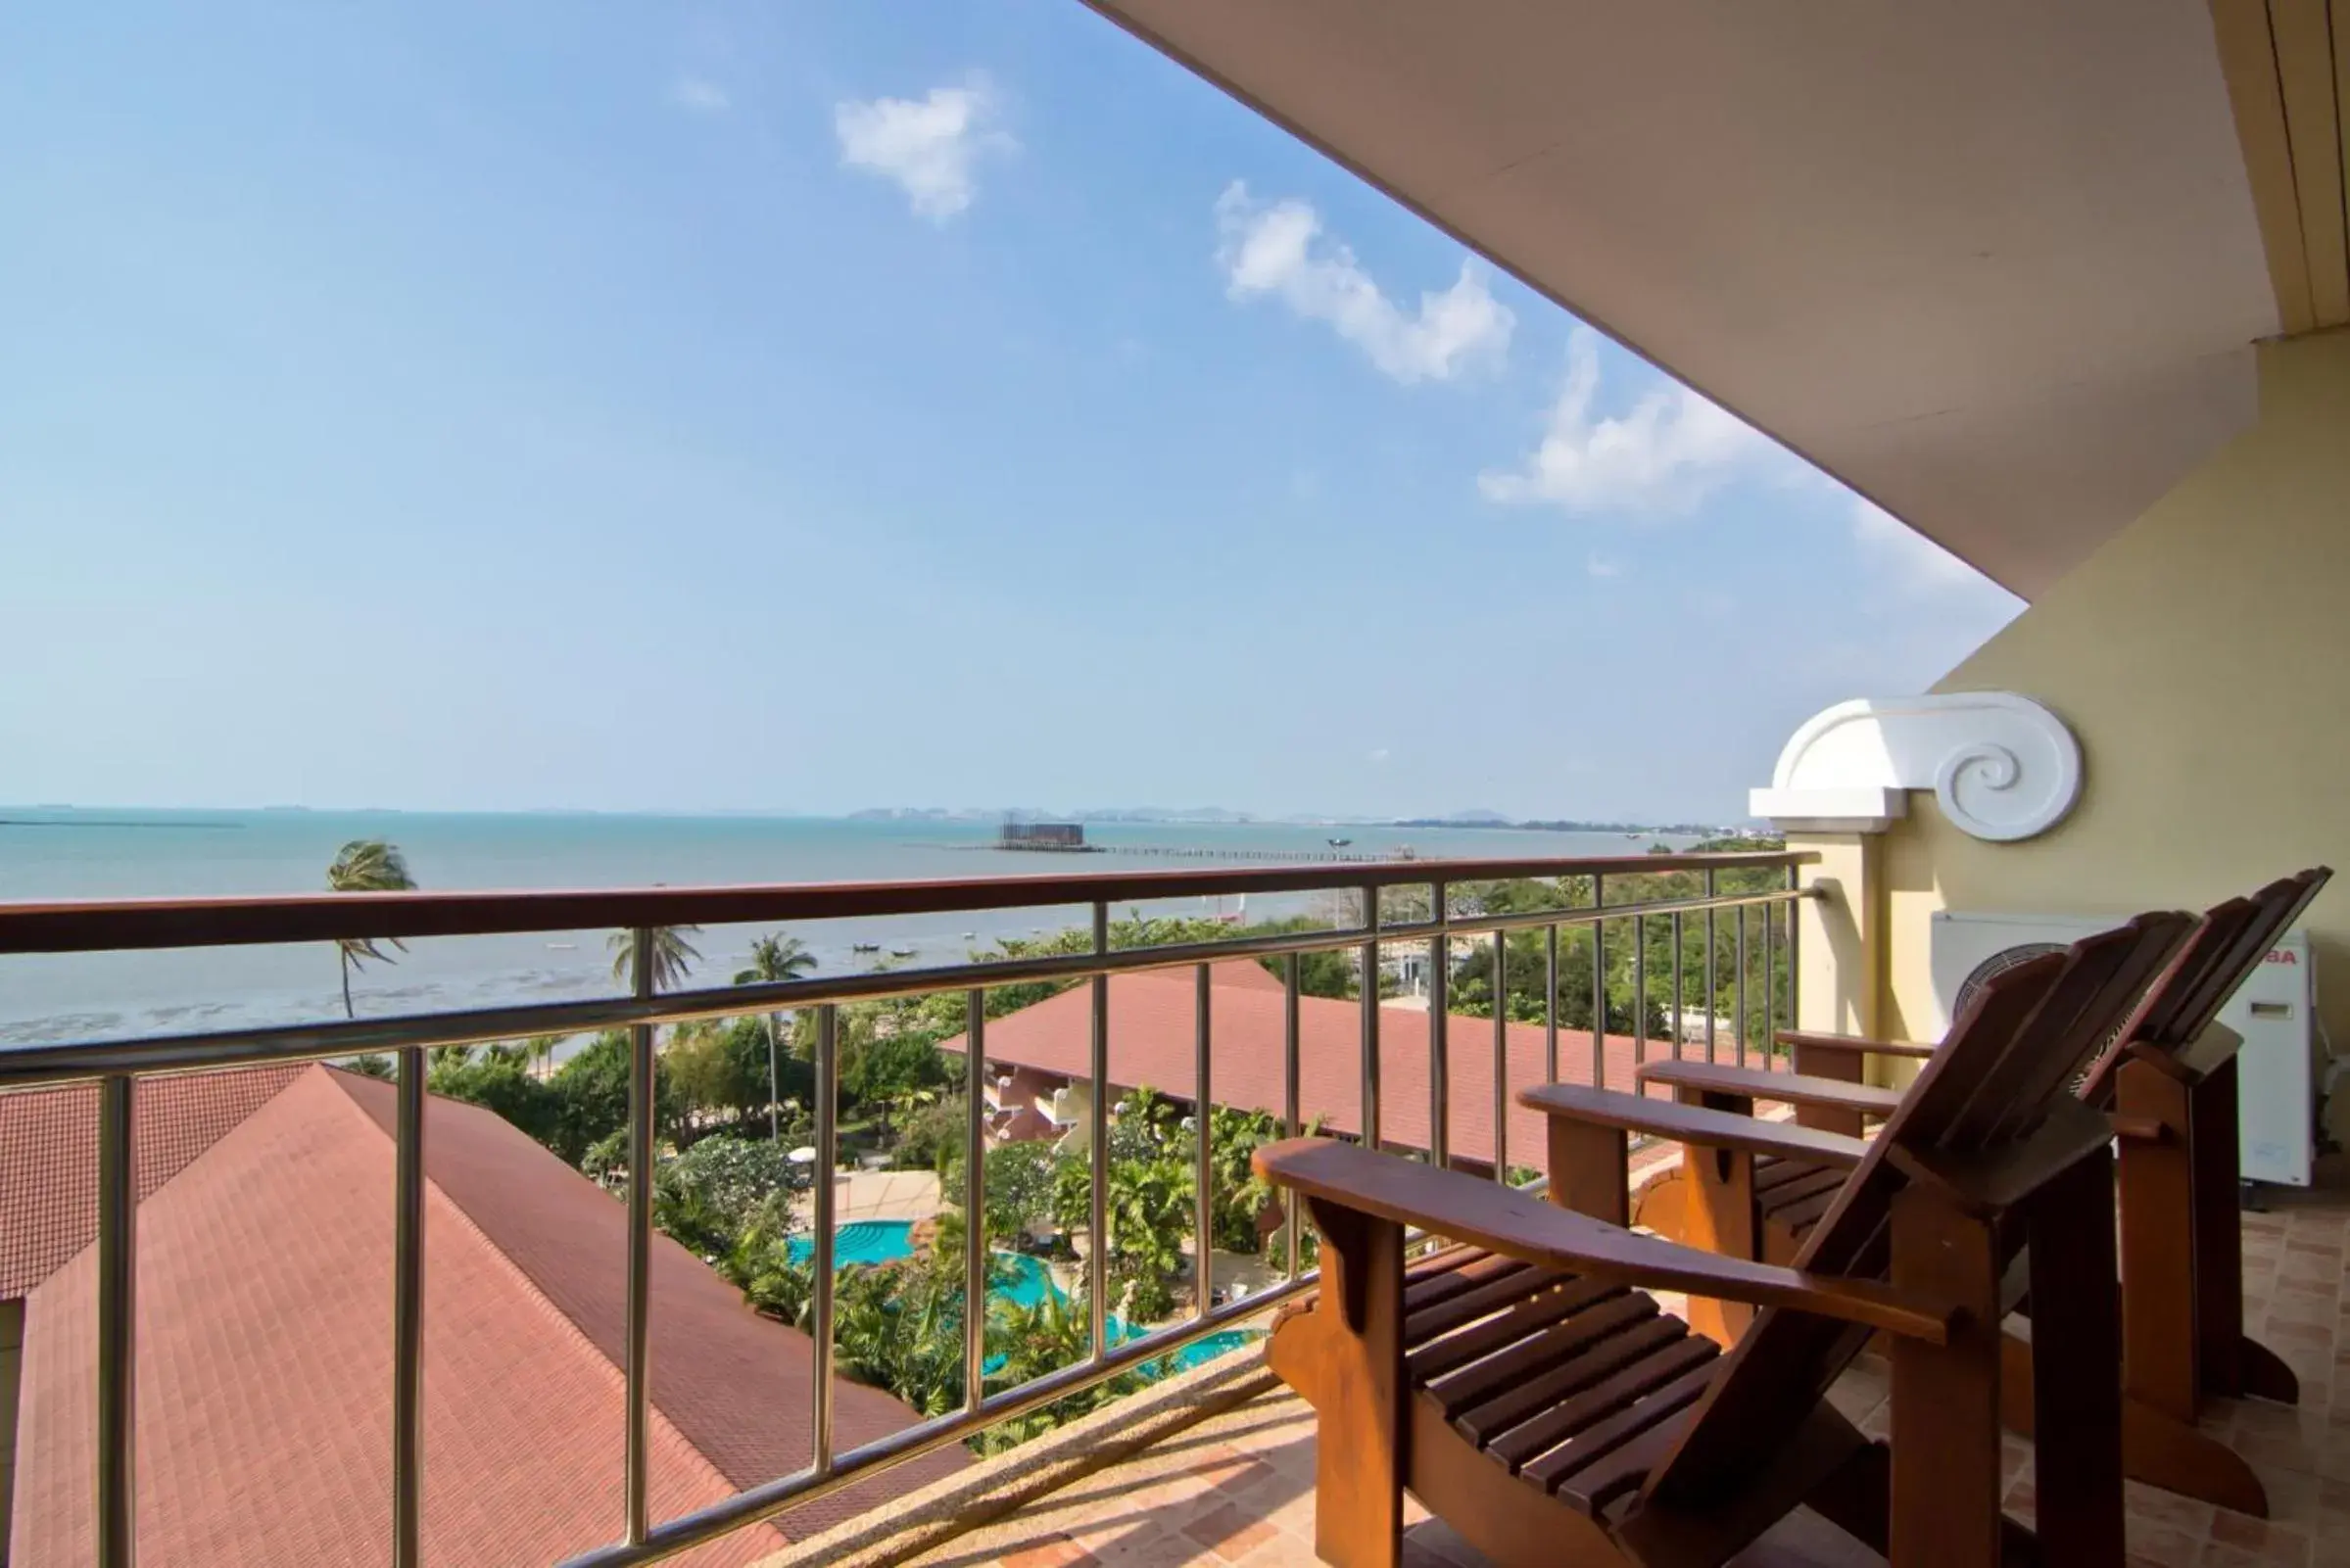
[(1238, 1488)]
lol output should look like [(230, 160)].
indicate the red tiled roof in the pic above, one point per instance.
[(1152, 1045), (736, 1383), (265, 1370), (1246, 974), (49, 1156)]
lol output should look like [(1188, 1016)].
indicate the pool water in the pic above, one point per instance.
[(869, 1242)]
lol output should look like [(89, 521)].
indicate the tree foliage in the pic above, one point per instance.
[(673, 955), (366, 866)]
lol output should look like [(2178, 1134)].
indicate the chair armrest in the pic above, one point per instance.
[(1470, 1209), (1694, 1125), (1758, 1083), (1857, 1043)]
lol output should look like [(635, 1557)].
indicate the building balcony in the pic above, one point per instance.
[(228, 1190), (220, 1219)]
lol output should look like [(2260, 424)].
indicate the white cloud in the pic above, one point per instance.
[(930, 146), (1379, 756), (1672, 450), (1601, 566), (701, 95), (1268, 248)]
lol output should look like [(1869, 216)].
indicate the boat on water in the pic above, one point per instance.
[(901, 952), (864, 947), (1338, 843)]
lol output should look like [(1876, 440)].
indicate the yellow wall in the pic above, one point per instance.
[(2202, 657)]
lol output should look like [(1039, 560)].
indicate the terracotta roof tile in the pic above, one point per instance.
[(265, 1374), (1152, 1044), (736, 1383), (49, 1156)]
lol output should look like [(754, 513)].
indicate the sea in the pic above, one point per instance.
[(56, 853)]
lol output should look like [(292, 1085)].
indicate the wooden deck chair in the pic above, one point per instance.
[(1525, 1386), (2170, 1080)]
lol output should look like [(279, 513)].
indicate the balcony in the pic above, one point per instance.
[(235, 1191)]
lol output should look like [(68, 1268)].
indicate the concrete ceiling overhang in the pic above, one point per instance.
[(1996, 264)]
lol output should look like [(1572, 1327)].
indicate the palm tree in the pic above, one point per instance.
[(772, 959), (539, 1052), (366, 866), (671, 955)]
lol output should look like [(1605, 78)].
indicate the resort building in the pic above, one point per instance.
[(1039, 1061)]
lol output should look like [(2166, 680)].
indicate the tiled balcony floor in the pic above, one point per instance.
[(1239, 1488)]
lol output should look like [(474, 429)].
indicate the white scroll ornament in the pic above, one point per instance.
[(2001, 767)]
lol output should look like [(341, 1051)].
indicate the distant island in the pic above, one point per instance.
[(1221, 816)]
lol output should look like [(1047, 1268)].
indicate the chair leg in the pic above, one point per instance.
[(1946, 1399), (2264, 1374), (2162, 1452), (2156, 1449), (1591, 1169), (1359, 1446), (1719, 1217), (2231, 1365), (2076, 1378), (2160, 1265), (1844, 1066)]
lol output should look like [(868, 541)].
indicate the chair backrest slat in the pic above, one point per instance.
[(2236, 936), (2008, 1059)]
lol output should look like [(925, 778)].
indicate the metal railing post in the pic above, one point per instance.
[(1097, 1228), (118, 1324), (1713, 953), (407, 1315), (1794, 956), (1501, 1055), (1203, 1175), (1680, 1034), (1639, 989), (1740, 991), (637, 1477), (1440, 1088), (1550, 1003), (1771, 980), (977, 1243), (1369, 990), (1598, 986), (1290, 1128), (828, 1159)]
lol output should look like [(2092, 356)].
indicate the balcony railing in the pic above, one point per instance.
[(119, 1066)]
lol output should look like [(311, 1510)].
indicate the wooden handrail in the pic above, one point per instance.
[(123, 925), (1761, 1083), (1859, 1044), (1472, 1209), (1697, 1124)]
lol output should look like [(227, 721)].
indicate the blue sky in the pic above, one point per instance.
[(817, 405)]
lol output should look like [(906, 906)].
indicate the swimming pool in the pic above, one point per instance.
[(869, 1242)]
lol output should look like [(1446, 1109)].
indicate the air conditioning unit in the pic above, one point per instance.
[(2274, 1011)]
